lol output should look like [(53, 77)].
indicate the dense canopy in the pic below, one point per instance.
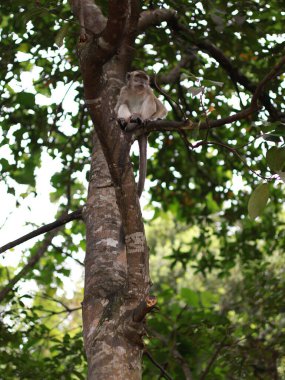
[(213, 203)]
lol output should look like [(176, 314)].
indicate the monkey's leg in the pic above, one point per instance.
[(123, 115)]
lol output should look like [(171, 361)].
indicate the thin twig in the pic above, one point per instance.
[(162, 370), (68, 311), (60, 250), (237, 154), (169, 99), (176, 354), (213, 359), (205, 113)]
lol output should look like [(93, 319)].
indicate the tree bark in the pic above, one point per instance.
[(109, 354), (116, 271), (116, 294)]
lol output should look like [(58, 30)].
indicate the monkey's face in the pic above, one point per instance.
[(139, 81)]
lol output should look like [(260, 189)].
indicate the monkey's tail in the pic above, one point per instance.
[(142, 163)]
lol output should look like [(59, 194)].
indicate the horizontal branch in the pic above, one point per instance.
[(48, 227), (167, 125)]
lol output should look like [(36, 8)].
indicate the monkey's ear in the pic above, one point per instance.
[(128, 75)]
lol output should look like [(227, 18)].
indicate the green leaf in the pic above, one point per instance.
[(258, 200), (24, 47), (26, 99), (190, 297), (211, 203), (23, 177), (61, 34), (210, 83), (280, 130), (5, 166), (275, 158)]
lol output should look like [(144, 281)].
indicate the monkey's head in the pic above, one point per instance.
[(138, 80)]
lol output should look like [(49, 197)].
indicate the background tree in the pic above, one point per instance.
[(216, 272)]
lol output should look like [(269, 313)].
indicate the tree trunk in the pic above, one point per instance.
[(116, 297), (112, 339)]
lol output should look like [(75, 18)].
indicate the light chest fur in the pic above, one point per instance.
[(135, 102)]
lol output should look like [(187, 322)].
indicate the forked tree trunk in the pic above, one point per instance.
[(116, 294)]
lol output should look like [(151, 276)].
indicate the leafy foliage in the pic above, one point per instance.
[(217, 273)]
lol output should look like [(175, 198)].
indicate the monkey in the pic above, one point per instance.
[(138, 104)]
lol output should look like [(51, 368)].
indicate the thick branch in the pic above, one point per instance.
[(114, 31), (154, 17), (48, 227), (90, 17), (127, 51), (30, 264)]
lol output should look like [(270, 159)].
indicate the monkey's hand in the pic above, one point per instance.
[(136, 118), (122, 122)]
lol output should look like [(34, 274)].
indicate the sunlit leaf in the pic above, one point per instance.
[(190, 296), (258, 200), (61, 34)]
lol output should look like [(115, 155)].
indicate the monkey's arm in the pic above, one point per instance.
[(153, 109), (148, 107), (160, 112)]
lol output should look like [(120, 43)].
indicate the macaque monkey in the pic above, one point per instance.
[(138, 104)]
